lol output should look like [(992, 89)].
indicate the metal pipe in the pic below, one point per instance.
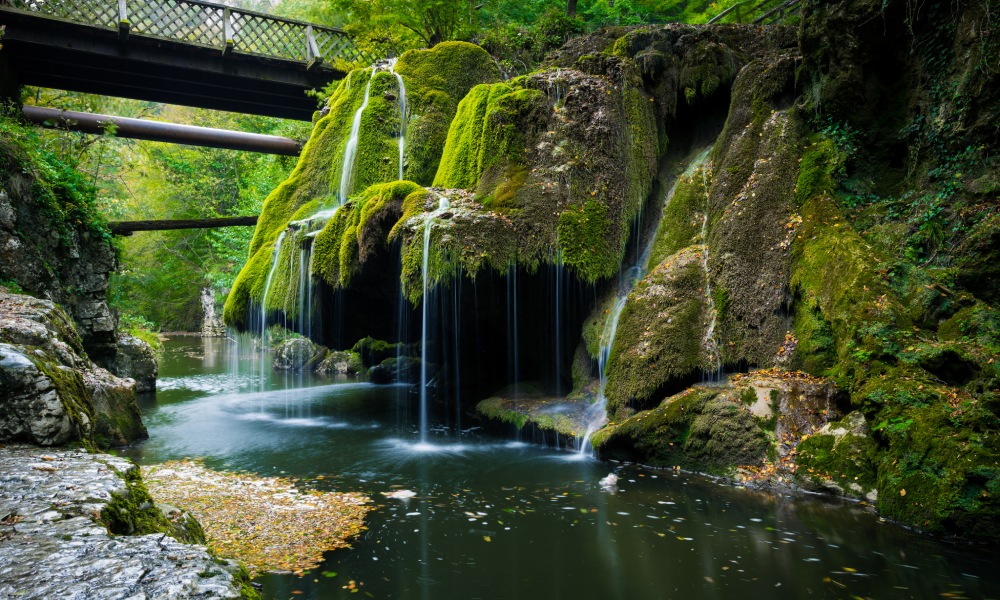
[(127, 227), (161, 132)]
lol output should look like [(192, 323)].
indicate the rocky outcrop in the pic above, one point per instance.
[(50, 391), (66, 263), (211, 320), (135, 359), (56, 509)]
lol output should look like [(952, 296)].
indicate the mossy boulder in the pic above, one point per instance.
[(340, 362), (837, 459), (52, 393), (660, 340), (700, 429), (297, 354)]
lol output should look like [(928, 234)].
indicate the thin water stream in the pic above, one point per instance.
[(496, 519)]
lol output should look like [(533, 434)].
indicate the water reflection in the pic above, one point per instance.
[(492, 518)]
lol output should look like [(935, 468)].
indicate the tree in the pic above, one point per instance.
[(428, 21)]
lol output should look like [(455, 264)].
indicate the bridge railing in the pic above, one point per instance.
[(758, 12), (204, 24)]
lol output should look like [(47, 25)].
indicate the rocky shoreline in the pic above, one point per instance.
[(55, 541)]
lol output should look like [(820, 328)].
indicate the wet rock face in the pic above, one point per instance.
[(344, 362), (135, 359), (52, 544), (32, 408), (50, 392), (296, 354), (73, 272)]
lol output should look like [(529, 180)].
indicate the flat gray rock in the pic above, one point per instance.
[(52, 544)]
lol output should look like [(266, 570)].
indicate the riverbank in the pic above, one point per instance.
[(55, 510)]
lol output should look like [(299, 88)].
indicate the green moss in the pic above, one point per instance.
[(660, 333), (486, 138), (531, 408), (315, 182), (697, 430), (680, 225), (584, 241), (839, 454), (133, 512), (437, 80)]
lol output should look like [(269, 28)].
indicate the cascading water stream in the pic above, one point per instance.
[(265, 349), (402, 114), (443, 205), (710, 342), (596, 416), (351, 151)]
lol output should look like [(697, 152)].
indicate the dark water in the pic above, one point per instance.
[(499, 519)]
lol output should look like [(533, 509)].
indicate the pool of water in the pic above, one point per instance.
[(494, 518)]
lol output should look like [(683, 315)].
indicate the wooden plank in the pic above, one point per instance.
[(129, 227)]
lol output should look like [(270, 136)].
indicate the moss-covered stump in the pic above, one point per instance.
[(701, 429), (51, 393), (660, 338), (531, 410)]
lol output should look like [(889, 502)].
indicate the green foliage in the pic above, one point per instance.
[(68, 200)]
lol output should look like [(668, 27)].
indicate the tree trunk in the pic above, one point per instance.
[(571, 8)]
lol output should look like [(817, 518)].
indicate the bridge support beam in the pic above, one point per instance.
[(161, 132)]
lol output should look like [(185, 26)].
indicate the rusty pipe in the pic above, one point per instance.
[(156, 131)]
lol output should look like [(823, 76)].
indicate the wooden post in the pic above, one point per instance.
[(313, 57), (124, 27), (227, 32)]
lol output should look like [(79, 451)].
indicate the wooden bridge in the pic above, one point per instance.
[(183, 52)]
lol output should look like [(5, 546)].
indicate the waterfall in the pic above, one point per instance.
[(351, 151), (596, 416), (265, 349), (402, 114), (443, 205), (710, 342)]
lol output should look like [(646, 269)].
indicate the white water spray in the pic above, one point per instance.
[(443, 205), (351, 151), (402, 114)]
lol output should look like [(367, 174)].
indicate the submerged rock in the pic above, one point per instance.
[(50, 392), (53, 543), (296, 354), (340, 362)]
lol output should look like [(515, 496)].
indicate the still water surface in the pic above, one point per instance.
[(495, 518)]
